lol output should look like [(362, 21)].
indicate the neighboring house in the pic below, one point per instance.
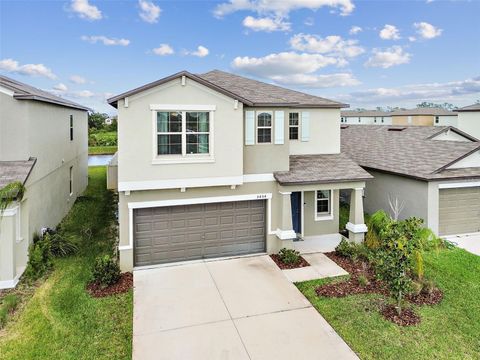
[(433, 171), (43, 145), (366, 117), (108, 121), (216, 165), (469, 120), (424, 117)]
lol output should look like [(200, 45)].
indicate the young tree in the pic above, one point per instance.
[(96, 120)]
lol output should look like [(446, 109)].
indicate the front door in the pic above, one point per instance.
[(296, 200)]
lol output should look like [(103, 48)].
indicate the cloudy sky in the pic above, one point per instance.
[(366, 53)]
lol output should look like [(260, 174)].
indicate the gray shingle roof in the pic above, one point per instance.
[(423, 111), (26, 92), (474, 107), (411, 152), (318, 169), (347, 113), (11, 171), (248, 91)]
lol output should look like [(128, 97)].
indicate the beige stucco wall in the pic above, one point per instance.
[(13, 142), (469, 121), (316, 227), (420, 120), (136, 134)]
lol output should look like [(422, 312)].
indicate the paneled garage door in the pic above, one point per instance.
[(459, 211), (189, 232)]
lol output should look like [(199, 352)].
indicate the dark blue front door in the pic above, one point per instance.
[(296, 211)]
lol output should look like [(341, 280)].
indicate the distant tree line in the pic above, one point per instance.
[(97, 122)]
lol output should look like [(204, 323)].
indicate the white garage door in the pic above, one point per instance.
[(459, 211)]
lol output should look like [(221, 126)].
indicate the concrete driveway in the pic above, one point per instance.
[(469, 242), (242, 308)]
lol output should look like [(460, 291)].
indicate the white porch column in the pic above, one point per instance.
[(285, 232), (356, 226), (8, 237)]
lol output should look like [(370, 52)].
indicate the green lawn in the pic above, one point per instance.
[(450, 330), (61, 321), (102, 150)]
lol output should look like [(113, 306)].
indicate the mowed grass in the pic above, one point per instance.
[(102, 150), (61, 321), (450, 330)]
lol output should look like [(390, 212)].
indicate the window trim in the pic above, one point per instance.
[(294, 126), (257, 112), (183, 158), (325, 216)]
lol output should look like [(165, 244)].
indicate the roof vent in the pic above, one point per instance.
[(343, 126), (396, 129)]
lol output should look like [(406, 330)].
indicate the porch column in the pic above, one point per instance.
[(356, 226), (7, 248), (286, 227)]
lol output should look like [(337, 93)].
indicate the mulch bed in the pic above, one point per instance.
[(407, 318), (432, 298), (283, 266), (122, 286)]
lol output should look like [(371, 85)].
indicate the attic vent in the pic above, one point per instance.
[(343, 126), (396, 129)]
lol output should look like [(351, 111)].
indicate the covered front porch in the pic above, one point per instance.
[(311, 201)]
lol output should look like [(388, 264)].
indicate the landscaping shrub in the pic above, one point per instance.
[(61, 245), (102, 138), (345, 248), (289, 256), (106, 271), (9, 304), (39, 259)]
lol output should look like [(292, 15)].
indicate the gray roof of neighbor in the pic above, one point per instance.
[(423, 111), (318, 169), (12, 171), (26, 92), (367, 113), (248, 91), (409, 152), (474, 107)]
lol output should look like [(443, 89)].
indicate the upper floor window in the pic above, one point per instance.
[(374, 119), (341, 119), (71, 127), (437, 119), (359, 119), (382, 119), (264, 127), (183, 133), (70, 183), (293, 122)]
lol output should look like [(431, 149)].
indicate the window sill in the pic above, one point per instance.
[(323, 217), (183, 160)]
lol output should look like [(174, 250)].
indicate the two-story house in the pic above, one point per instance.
[(43, 145), (366, 117), (217, 165)]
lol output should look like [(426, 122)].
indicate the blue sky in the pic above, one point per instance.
[(366, 53)]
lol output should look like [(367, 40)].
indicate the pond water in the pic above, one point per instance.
[(99, 160)]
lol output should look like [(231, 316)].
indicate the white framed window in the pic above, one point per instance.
[(341, 119), (293, 125), (70, 183), (183, 135), (264, 127), (437, 119), (323, 205), (71, 127)]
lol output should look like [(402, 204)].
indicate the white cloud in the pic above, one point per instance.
[(163, 49), (390, 32), (427, 31), (281, 7), (149, 12), (105, 40), (201, 51), (317, 80), (457, 92), (77, 79), (333, 45), (388, 57), (355, 30), (412, 38), (83, 94), (60, 87), (85, 10), (266, 24), (13, 66)]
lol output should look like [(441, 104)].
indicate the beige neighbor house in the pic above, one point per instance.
[(366, 117), (215, 165), (424, 117), (469, 120), (43, 145), (433, 171)]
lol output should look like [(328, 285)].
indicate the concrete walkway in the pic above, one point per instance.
[(469, 242), (320, 267), (241, 308)]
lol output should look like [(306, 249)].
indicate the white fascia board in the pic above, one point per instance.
[(6, 91), (180, 107), (179, 183), (459, 185)]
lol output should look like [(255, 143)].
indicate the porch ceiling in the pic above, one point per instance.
[(321, 169)]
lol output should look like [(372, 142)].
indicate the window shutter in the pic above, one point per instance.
[(305, 126), (279, 127), (249, 127)]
